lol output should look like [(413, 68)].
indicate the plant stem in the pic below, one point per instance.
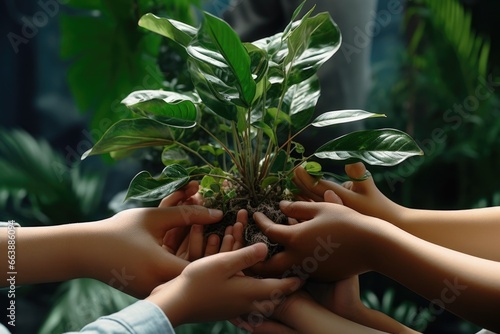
[(224, 147)]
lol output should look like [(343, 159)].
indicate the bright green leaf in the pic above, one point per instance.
[(342, 116)]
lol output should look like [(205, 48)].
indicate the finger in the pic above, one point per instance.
[(308, 185), (300, 210), (359, 171), (173, 238), (213, 245), (183, 215), (332, 197), (195, 250), (238, 236), (191, 188), (277, 266), (275, 232), (242, 217), (183, 250), (262, 289), (234, 262), (172, 199), (227, 243)]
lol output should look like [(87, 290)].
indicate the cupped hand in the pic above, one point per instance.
[(331, 242), (214, 288), (127, 250)]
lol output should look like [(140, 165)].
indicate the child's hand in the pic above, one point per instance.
[(331, 242), (129, 246), (213, 288), (195, 245), (362, 196)]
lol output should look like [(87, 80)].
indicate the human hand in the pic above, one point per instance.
[(126, 251), (362, 196), (330, 242), (340, 297), (195, 245), (187, 299)]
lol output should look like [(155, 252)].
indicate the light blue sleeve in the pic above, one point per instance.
[(142, 317)]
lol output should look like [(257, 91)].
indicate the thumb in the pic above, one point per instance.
[(184, 215), (243, 258), (275, 232), (331, 197), (358, 171)]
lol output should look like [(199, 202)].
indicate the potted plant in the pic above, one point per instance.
[(235, 131)]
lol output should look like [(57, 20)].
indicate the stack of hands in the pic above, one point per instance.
[(335, 233)]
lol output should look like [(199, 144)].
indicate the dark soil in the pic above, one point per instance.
[(252, 233)]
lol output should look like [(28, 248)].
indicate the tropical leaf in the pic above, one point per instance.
[(178, 32), (130, 134), (145, 187), (320, 36), (385, 147), (342, 116), (229, 45), (171, 108)]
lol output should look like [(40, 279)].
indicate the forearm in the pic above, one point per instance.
[(309, 317), (474, 231), (465, 285), (381, 321), (46, 254)]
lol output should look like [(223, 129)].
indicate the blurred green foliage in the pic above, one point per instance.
[(447, 98)]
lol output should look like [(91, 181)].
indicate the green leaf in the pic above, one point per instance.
[(270, 180), (311, 44), (267, 130), (179, 32), (313, 168), (385, 147), (171, 108), (172, 154), (342, 116), (220, 68), (229, 45), (300, 100), (145, 187), (130, 134), (216, 95)]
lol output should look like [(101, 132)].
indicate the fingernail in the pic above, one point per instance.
[(215, 213)]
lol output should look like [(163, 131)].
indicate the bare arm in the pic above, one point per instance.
[(472, 231), (346, 243), (125, 251), (306, 316)]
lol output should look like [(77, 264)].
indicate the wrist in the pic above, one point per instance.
[(167, 298), (379, 244)]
